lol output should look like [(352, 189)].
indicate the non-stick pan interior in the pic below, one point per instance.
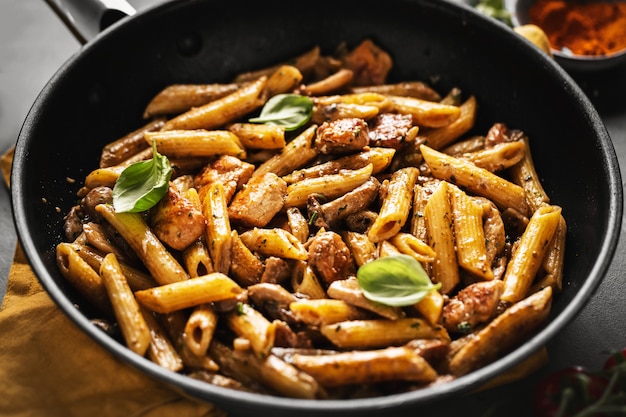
[(100, 93)]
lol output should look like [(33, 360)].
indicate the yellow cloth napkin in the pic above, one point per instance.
[(48, 367)]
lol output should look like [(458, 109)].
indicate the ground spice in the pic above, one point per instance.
[(582, 27)]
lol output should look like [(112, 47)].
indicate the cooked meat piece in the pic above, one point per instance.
[(229, 170), (276, 270), (274, 300), (73, 225), (259, 201), (330, 257), (176, 221), (342, 136), (389, 130), (369, 63), (338, 209), (474, 304), (98, 195)]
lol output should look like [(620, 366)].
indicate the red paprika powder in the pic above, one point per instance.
[(582, 27)]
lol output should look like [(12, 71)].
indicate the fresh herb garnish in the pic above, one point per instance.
[(397, 280), (290, 111), (142, 185)]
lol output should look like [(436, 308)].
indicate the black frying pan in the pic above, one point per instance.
[(100, 93)]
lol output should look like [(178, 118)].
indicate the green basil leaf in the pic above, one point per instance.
[(142, 185), (396, 281), (290, 111)]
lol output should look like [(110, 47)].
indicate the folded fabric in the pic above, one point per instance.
[(48, 367)]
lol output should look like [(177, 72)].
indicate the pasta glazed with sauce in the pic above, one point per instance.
[(244, 273)]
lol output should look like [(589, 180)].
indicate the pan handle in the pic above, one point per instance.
[(86, 18)]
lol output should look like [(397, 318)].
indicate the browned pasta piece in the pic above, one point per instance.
[(368, 334), (192, 292), (127, 312), (396, 205), (223, 110), (366, 367), (438, 216), (529, 254)]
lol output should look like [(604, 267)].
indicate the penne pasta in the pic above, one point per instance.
[(196, 143), (193, 292), (529, 254), (223, 110), (127, 312), (396, 205)]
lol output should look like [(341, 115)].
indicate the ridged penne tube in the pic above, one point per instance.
[(296, 154), (223, 110), (245, 267), (82, 276), (179, 98), (332, 213), (284, 80), (318, 312), (442, 136), (553, 260), (127, 312), (438, 216), (363, 250), (218, 230), (498, 157), (118, 151), (508, 330), (471, 144), (330, 186), (368, 334), (414, 247), (196, 143), (161, 350), (380, 158), (197, 259), (137, 279), (274, 242), (426, 113), (524, 174), (477, 180), (335, 111), (199, 329), (470, 235), (396, 205), (350, 291), (417, 89), (418, 225), (104, 177), (529, 254), (431, 307), (366, 367), (279, 375), (368, 98), (259, 135), (190, 293), (333, 82), (162, 265), (305, 282), (250, 324)]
